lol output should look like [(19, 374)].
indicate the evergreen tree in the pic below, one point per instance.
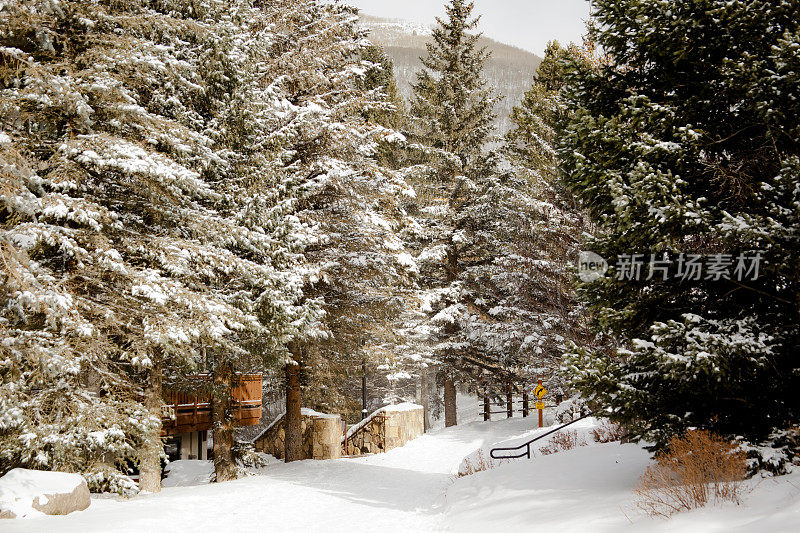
[(451, 120), (685, 141), (379, 77), (132, 244), (550, 225), (536, 120), (490, 249), (248, 108), (452, 106), (328, 136)]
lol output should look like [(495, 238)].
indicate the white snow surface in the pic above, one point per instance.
[(305, 411), (192, 472), (21, 487), (187, 473), (415, 489), (582, 429), (405, 406)]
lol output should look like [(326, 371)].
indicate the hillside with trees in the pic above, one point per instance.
[(509, 69)]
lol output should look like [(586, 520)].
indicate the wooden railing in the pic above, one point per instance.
[(185, 411)]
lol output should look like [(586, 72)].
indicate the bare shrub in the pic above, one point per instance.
[(564, 440), (479, 465), (608, 431), (698, 468)]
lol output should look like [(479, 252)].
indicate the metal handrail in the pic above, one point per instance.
[(527, 445)]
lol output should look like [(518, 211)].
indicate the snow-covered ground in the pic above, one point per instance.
[(415, 489), (589, 489)]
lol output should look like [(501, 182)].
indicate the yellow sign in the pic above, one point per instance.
[(539, 391), (539, 405)]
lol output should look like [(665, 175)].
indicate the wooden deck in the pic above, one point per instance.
[(187, 412)]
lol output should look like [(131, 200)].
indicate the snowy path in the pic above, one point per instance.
[(402, 490)]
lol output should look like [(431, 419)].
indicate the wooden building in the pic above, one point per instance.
[(186, 420)]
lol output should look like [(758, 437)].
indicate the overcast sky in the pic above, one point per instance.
[(528, 24)]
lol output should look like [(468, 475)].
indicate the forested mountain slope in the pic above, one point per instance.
[(509, 69)]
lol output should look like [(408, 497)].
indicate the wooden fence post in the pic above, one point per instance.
[(525, 404), (509, 401)]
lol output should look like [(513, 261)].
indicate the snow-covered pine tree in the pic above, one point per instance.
[(452, 107), (391, 375), (477, 228), (531, 141), (127, 243), (550, 225), (248, 108), (328, 141), (451, 118), (379, 75), (685, 141)]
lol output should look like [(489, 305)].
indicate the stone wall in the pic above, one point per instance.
[(369, 438), (403, 426), (322, 436), (327, 437), (389, 427)]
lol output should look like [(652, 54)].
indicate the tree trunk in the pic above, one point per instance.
[(222, 424), (150, 463), (450, 418), (293, 441), (426, 412)]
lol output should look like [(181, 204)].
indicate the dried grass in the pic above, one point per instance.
[(479, 465), (608, 431), (565, 440), (698, 468)]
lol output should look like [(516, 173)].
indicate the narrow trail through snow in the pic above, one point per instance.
[(402, 490)]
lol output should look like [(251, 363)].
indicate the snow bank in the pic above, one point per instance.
[(28, 493), (584, 489), (590, 488), (194, 472), (580, 432)]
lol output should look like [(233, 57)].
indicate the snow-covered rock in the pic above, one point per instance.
[(27, 493)]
